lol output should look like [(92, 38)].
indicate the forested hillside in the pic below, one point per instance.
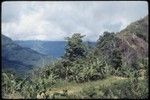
[(131, 43), (134, 41), (116, 68), (54, 49), (20, 59)]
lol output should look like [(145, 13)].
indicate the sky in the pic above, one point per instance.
[(55, 20)]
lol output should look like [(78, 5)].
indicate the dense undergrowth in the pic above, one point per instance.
[(82, 64)]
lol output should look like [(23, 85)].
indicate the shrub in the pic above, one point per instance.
[(89, 92)]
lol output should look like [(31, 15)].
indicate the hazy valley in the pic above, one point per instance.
[(45, 55)]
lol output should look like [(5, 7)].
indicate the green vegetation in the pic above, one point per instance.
[(79, 68), (84, 72)]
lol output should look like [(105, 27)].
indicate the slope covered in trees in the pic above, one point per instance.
[(20, 59), (54, 49), (113, 57), (134, 41), (131, 43)]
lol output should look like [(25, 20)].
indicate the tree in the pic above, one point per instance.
[(108, 46), (75, 48), (116, 59), (105, 44)]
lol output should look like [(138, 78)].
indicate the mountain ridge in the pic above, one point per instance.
[(134, 40), (55, 49), (20, 58)]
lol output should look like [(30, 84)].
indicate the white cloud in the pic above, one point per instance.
[(56, 20)]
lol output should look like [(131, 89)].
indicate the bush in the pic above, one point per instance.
[(124, 71), (89, 92), (127, 89)]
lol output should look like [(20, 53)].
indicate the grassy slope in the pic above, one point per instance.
[(74, 88)]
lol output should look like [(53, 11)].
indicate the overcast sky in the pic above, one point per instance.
[(56, 20)]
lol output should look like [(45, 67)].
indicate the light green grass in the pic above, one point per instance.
[(74, 88)]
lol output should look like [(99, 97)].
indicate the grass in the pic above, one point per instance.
[(13, 96), (75, 88)]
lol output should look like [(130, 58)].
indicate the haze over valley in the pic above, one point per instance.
[(75, 50)]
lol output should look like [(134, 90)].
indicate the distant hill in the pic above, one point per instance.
[(55, 49), (134, 40), (138, 28), (20, 59)]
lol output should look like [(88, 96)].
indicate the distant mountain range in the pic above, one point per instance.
[(55, 49), (21, 56), (24, 55), (20, 59)]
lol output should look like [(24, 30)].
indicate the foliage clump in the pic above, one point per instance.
[(82, 63)]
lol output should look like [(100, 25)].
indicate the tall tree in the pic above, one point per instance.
[(116, 59), (75, 47), (107, 44)]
